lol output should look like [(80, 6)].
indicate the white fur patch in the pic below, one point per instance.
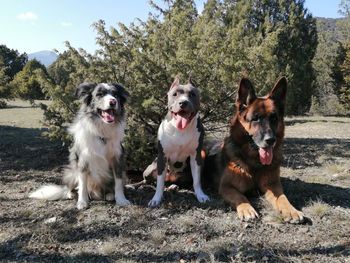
[(98, 145), (51, 192), (97, 153), (177, 144)]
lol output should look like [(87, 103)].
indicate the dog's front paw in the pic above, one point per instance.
[(122, 201), (82, 204), (246, 212), (154, 202), (291, 215), (288, 212), (202, 197)]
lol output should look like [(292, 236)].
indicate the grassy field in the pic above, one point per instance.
[(316, 178)]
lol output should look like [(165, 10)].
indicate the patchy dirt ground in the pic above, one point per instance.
[(316, 177)]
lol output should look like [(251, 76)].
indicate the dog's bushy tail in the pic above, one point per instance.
[(52, 192)]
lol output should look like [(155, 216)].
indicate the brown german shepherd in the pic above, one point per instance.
[(251, 155)]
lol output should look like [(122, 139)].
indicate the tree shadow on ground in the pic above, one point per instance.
[(292, 122), (26, 148), (13, 249), (304, 152), (299, 192), (302, 193)]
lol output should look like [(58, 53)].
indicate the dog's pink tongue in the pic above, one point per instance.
[(266, 155), (181, 122), (108, 115)]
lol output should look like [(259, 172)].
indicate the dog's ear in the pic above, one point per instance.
[(84, 90), (279, 91), (246, 94), (278, 94), (175, 83), (191, 81), (122, 93)]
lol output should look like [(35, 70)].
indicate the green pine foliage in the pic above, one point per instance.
[(329, 55), (229, 39), (331, 95), (26, 84), (344, 90), (11, 62)]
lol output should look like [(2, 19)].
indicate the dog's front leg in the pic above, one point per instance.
[(196, 176), (83, 197), (272, 188), (161, 170), (117, 170)]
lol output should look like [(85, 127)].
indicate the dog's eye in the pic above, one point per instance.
[(175, 94), (192, 94), (255, 118), (100, 93)]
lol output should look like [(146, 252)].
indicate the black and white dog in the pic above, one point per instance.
[(180, 135), (96, 158)]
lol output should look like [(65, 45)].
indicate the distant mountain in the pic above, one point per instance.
[(45, 57)]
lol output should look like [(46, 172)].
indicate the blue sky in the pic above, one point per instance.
[(34, 25)]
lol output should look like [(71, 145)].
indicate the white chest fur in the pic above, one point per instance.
[(177, 144), (98, 140)]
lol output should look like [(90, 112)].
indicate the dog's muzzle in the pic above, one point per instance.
[(108, 116)]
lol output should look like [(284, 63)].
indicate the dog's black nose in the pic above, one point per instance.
[(270, 141), (183, 104), (112, 102)]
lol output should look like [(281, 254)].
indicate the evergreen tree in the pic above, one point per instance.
[(11, 62), (25, 84), (328, 58), (345, 70), (229, 39), (344, 88), (65, 74)]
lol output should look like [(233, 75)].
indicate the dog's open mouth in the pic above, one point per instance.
[(182, 118), (266, 155), (108, 116)]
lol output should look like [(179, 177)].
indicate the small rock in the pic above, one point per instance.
[(50, 220), (246, 225)]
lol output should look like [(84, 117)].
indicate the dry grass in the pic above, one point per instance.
[(318, 209), (180, 230), (158, 236), (21, 114)]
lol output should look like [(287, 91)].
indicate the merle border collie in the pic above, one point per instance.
[(180, 136), (96, 165)]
